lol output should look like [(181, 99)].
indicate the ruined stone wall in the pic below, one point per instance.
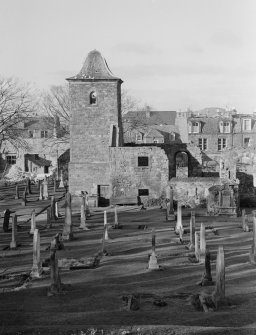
[(127, 177)]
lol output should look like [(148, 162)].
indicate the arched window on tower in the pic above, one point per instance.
[(93, 98)]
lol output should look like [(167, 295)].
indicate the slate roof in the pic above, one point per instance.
[(40, 161), (154, 133), (95, 68)]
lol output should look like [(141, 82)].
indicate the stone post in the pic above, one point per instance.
[(61, 180), (37, 267), (24, 198), (252, 254), (13, 244), (219, 292), (207, 276), (7, 214), (40, 190), (197, 253), (192, 230), (106, 226), (29, 186), (45, 190), (244, 223), (152, 264), (56, 286), (54, 185), (202, 243), (38, 184), (169, 204), (53, 217), (56, 210), (179, 225), (67, 229), (83, 224), (33, 222), (16, 192)]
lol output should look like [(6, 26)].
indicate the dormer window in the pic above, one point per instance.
[(138, 137), (194, 127), (226, 127), (247, 124), (93, 98)]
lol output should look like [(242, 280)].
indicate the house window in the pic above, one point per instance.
[(30, 133), (44, 133), (172, 135), (202, 143), (247, 124), (226, 127), (143, 192), (11, 160), (155, 140), (138, 137), (93, 98), (222, 143), (143, 161), (246, 142), (195, 127)]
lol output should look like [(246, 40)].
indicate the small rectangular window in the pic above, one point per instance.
[(30, 133), (246, 141), (202, 143), (222, 143), (226, 127), (44, 133), (143, 192), (246, 124), (143, 161), (195, 127), (11, 160)]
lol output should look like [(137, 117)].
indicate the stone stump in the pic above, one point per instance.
[(153, 264), (7, 214), (48, 218), (56, 286), (197, 252), (24, 198), (16, 192), (169, 205), (244, 221), (179, 226), (202, 243), (252, 253), (218, 295), (106, 226), (83, 224), (33, 222), (56, 210), (53, 201), (67, 229), (37, 267), (207, 276), (45, 190), (13, 244), (54, 185), (29, 186), (40, 190), (192, 231)]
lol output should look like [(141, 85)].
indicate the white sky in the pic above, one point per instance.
[(172, 54)]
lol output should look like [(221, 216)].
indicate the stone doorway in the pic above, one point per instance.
[(103, 195), (181, 164)]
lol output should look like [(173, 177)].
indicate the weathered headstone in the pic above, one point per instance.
[(67, 229), (41, 190), (252, 254), (106, 226), (197, 252), (54, 185), (37, 267), (53, 201), (16, 192), (29, 186), (192, 231), (56, 286), (179, 226), (39, 182), (219, 292), (202, 243), (45, 190), (24, 198), (169, 204), (152, 264), (33, 222), (7, 214), (207, 276), (13, 243), (83, 224), (244, 221), (56, 210), (61, 180)]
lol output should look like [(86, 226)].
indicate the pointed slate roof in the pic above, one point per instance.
[(95, 68)]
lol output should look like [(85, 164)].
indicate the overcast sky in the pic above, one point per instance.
[(172, 54)]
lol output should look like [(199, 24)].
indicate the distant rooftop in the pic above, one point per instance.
[(152, 117)]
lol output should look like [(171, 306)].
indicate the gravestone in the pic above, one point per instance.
[(13, 244), (244, 221), (54, 185), (83, 224), (29, 186), (219, 292), (67, 229), (197, 252), (169, 204), (16, 192), (39, 182), (106, 226), (53, 201), (37, 267), (41, 190), (24, 198), (45, 190), (7, 214), (192, 231), (252, 254), (56, 210), (56, 286), (61, 180), (152, 264), (33, 222), (48, 218), (179, 226), (202, 243)]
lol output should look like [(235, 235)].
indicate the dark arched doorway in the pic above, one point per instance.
[(181, 164)]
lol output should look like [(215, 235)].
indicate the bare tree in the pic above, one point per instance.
[(16, 103)]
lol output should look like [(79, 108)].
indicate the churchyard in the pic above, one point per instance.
[(123, 270)]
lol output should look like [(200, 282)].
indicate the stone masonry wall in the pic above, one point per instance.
[(127, 177)]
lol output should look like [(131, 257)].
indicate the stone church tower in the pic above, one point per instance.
[(95, 125)]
